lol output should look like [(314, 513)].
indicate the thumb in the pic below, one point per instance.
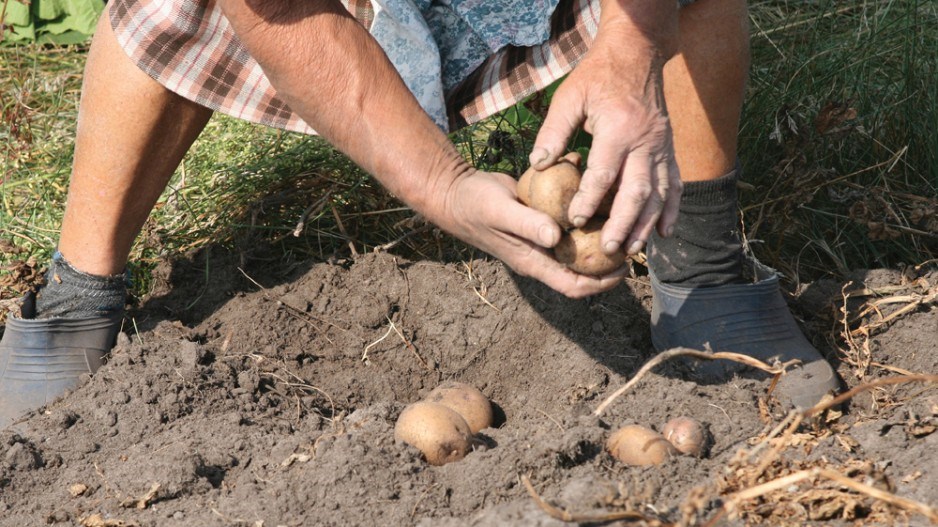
[(562, 121), (529, 224)]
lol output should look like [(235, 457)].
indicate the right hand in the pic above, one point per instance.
[(616, 93), (482, 209)]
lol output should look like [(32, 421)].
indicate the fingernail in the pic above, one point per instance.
[(636, 247), (579, 221), (537, 155), (546, 235), (669, 231), (611, 247)]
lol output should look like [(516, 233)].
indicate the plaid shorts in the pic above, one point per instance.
[(188, 46)]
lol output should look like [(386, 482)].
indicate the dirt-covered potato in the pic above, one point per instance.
[(687, 435), (440, 433), (640, 446), (551, 190), (465, 400), (580, 250)]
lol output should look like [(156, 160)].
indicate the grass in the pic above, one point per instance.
[(837, 135), (837, 141)]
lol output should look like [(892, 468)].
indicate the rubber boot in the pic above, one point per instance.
[(752, 319), (41, 359)]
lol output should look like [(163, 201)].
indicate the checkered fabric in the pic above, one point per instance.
[(188, 46)]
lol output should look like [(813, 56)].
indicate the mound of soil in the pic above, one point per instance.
[(267, 396)]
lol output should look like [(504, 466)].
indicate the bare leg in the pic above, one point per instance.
[(132, 134), (699, 298), (705, 86)]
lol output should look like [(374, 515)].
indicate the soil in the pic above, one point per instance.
[(251, 392)]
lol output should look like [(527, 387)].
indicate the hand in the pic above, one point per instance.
[(481, 208), (616, 94)]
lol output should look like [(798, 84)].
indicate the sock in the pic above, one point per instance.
[(70, 293), (705, 248)]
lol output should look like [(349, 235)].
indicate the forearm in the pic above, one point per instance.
[(646, 25), (335, 76)]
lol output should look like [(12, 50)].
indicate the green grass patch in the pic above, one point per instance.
[(838, 135)]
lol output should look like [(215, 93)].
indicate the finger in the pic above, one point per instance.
[(672, 203), (534, 226), (564, 117), (602, 171), (631, 199), (556, 276), (652, 211)]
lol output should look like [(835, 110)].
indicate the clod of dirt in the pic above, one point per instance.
[(22, 456)]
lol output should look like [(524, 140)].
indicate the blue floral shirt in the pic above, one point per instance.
[(435, 44)]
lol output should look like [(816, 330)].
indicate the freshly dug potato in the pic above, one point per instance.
[(580, 250), (440, 433), (640, 446), (467, 401), (551, 190), (687, 435)]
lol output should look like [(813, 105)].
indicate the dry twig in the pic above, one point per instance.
[(408, 344), (706, 355), (144, 501), (733, 501), (824, 405)]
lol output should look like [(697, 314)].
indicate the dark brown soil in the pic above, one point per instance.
[(268, 397)]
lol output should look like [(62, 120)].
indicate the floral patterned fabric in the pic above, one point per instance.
[(436, 44)]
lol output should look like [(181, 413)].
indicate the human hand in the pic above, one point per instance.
[(481, 208), (616, 94)]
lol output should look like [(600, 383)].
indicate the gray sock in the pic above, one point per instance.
[(705, 248), (70, 293)]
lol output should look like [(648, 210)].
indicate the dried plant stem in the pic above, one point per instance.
[(565, 516), (375, 343), (315, 208), (734, 500), (824, 405), (882, 495), (780, 445), (409, 345), (706, 355)]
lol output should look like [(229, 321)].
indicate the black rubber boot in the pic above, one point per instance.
[(41, 359), (749, 318)]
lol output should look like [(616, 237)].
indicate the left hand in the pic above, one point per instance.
[(616, 94)]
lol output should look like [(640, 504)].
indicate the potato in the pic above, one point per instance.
[(440, 433), (467, 401), (687, 435), (580, 250), (551, 190), (640, 446)]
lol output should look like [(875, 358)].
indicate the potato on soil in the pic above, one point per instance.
[(551, 190), (640, 446), (440, 433), (580, 250), (465, 400), (687, 435)]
